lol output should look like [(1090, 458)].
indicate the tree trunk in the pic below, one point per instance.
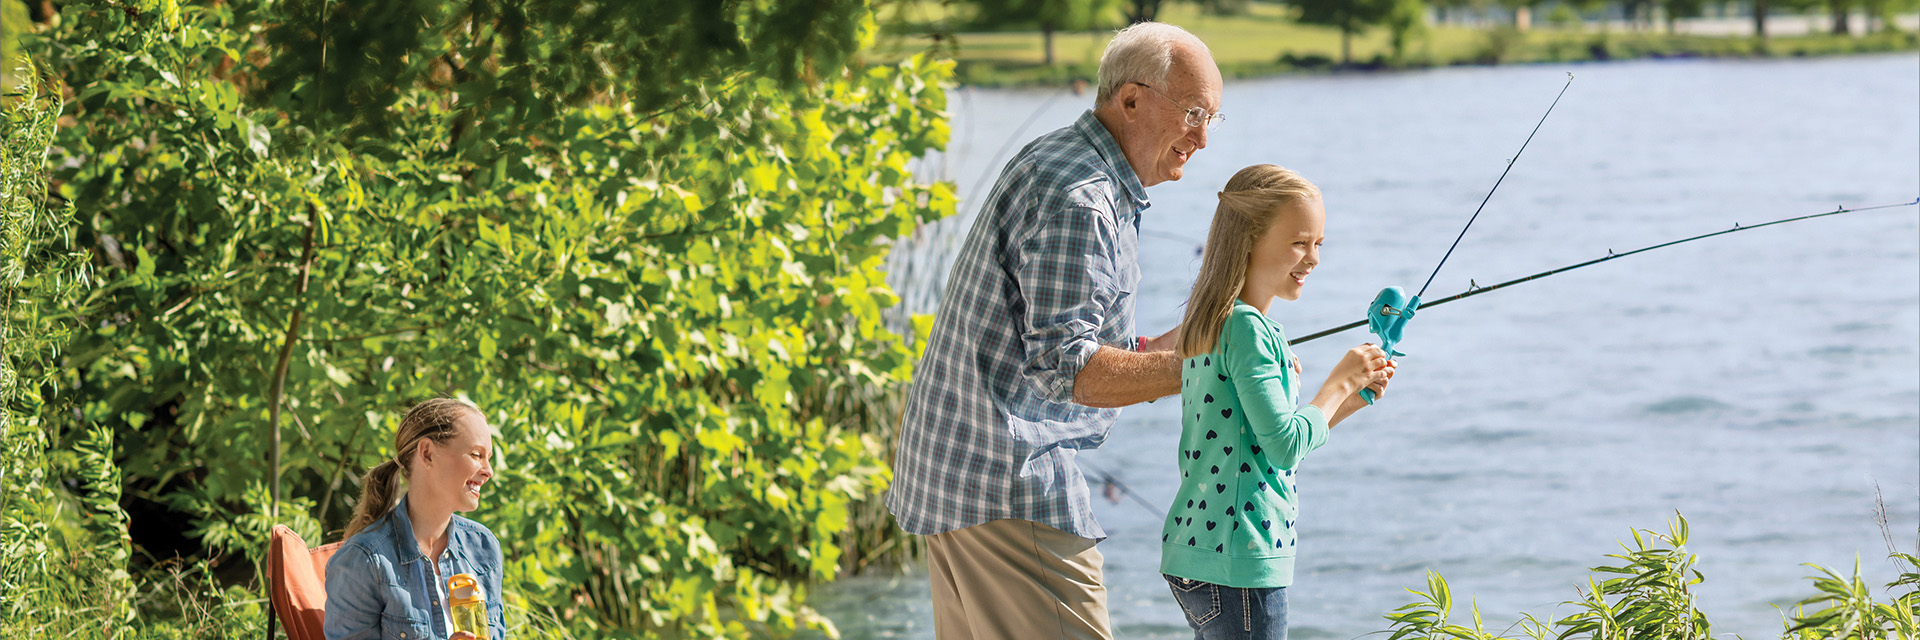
[(1143, 11), (1760, 21), (1046, 29), (278, 384), (1346, 47), (1840, 27)]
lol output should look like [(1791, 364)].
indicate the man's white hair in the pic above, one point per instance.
[(1140, 53)]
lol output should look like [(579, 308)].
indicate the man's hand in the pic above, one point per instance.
[(1117, 378)]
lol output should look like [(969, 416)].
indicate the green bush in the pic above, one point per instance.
[(645, 238)]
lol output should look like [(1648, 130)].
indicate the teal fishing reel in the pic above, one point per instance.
[(1387, 318)]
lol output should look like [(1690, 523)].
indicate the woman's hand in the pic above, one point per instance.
[(462, 635)]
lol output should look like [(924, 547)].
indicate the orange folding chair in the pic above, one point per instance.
[(297, 584)]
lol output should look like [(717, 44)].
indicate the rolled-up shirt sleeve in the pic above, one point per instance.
[(1067, 277)]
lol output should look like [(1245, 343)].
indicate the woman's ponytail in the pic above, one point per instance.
[(376, 495)]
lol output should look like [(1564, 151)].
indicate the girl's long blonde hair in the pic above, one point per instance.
[(1248, 205), (431, 420)]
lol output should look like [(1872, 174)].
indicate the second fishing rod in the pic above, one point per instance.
[(1392, 308)]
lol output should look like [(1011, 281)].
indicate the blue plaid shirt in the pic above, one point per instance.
[(1047, 276)]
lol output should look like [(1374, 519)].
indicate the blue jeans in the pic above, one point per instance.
[(1230, 613)]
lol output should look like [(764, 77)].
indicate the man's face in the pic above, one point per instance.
[(1159, 141)]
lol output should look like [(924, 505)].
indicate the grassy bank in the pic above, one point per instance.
[(1266, 41)]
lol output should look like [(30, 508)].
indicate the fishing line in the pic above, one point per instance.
[(1474, 289)]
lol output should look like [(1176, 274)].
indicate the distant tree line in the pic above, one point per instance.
[(1404, 18)]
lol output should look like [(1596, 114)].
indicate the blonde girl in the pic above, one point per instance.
[(1228, 544)]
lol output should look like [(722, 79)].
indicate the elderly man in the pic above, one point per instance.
[(1033, 351)]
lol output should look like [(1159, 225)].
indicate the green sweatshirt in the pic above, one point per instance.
[(1243, 434)]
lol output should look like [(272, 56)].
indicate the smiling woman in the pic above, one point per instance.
[(388, 580)]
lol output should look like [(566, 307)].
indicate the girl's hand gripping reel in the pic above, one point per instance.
[(1387, 317)]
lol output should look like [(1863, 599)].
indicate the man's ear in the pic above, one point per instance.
[(1129, 100)]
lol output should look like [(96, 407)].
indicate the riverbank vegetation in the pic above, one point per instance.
[(1256, 38), (1651, 591)]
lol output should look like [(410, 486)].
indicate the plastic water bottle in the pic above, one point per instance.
[(469, 605)]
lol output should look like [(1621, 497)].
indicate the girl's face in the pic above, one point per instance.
[(454, 472), (1284, 256)]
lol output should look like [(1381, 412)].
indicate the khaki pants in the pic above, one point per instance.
[(1016, 580)]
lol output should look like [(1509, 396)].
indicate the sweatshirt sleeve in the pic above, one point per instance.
[(1256, 362)]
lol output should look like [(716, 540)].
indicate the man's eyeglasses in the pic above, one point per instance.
[(1196, 116)]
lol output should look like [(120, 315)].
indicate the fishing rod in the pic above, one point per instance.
[(981, 182), (1474, 289), (1109, 480), (1392, 309)]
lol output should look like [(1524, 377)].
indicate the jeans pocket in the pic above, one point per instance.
[(1200, 600)]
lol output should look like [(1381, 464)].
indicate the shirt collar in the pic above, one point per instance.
[(408, 548), (404, 544), (1109, 149)]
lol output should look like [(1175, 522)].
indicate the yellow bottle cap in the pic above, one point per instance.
[(462, 588)]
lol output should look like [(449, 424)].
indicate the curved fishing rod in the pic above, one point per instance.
[(973, 194), (1474, 289), (1496, 186), (1392, 309)]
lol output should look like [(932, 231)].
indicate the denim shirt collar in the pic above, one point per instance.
[(1109, 149), (407, 548)]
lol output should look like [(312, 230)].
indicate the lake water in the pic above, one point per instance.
[(1762, 384)]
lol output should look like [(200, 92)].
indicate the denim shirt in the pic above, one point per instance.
[(380, 586)]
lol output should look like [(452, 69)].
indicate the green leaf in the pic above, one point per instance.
[(488, 347)]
